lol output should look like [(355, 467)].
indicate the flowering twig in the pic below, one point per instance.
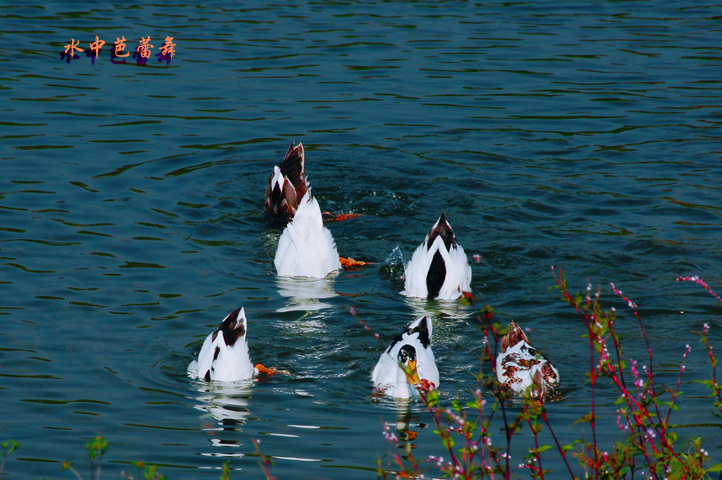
[(264, 461), (716, 389), (352, 310), (700, 282)]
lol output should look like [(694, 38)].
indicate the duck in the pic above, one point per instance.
[(522, 370), (408, 364), (224, 355), (287, 184), (438, 268), (306, 248)]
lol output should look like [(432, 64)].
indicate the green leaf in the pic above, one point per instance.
[(578, 298), (715, 468), (10, 446), (537, 451), (585, 419)]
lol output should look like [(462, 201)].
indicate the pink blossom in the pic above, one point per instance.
[(700, 282)]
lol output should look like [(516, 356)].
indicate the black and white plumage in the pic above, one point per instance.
[(287, 184), (521, 369), (224, 355), (439, 267), (306, 248), (408, 363)]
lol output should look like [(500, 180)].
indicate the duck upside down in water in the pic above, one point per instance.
[(306, 248), (521, 369), (408, 363), (439, 267), (224, 355), (287, 184)]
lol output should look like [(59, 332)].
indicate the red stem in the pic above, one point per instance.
[(559, 447)]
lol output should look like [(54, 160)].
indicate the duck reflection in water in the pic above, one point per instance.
[(305, 294), (405, 421), (443, 310), (228, 404), (226, 409)]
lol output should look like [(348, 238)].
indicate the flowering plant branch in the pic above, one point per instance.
[(649, 446)]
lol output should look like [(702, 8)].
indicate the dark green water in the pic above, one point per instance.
[(131, 197)]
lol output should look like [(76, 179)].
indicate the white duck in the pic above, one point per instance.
[(287, 184), (438, 268), (522, 369), (408, 363), (306, 248), (224, 355)]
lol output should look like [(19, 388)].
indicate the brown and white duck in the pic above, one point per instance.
[(287, 184), (521, 369)]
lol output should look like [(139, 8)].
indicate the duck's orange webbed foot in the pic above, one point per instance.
[(351, 262), (340, 217), (270, 371)]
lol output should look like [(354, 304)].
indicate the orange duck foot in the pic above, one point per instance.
[(340, 217), (350, 262), (270, 371)]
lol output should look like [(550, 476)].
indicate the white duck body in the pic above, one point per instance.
[(306, 248), (413, 344), (522, 369), (439, 267), (224, 355), (287, 184)]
